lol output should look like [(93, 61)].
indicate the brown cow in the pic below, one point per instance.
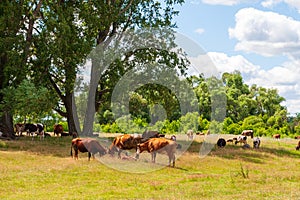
[(20, 128), (151, 134), (58, 129), (89, 145), (248, 133), (298, 147), (123, 142), (297, 137), (276, 136), (159, 145)]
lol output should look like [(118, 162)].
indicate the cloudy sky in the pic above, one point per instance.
[(261, 39)]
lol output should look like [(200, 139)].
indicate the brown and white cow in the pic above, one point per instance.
[(247, 133), (58, 129), (92, 146), (241, 139), (276, 136), (158, 145), (124, 142)]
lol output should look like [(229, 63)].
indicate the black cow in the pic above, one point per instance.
[(35, 129)]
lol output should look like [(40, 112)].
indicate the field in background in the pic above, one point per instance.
[(44, 170)]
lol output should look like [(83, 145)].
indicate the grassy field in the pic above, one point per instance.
[(44, 170)]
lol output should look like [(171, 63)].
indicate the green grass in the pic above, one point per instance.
[(45, 170)]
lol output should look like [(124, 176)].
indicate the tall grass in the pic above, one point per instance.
[(44, 170)]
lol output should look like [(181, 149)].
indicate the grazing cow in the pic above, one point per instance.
[(190, 134), (151, 134), (173, 137), (298, 146), (58, 129), (63, 134), (230, 140), (241, 139), (123, 142), (92, 146), (276, 136), (159, 145), (248, 133), (256, 143), (221, 142), (20, 128), (35, 129)]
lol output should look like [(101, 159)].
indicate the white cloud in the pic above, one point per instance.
[(271, 3), (199, 30), (284, 78), (266, 33)]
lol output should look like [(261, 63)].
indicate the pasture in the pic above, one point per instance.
[(44, 170)]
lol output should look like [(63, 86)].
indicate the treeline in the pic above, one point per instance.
[(247, 107)]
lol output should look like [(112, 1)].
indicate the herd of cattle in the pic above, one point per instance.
[(150, 141), (39, 130)]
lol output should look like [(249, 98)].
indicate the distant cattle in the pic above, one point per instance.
[(298, 146), (158, 145), (297, 137), (256, 143), (190, 134), (230, 140), (124, 142), (241, 139), (247, 133), (32, 129), (19, 128), (92, 146), (151, 134), (276, 136), (173, 137), (58, 129), (221, 142)]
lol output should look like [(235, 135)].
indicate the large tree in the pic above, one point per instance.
[(17, 21)]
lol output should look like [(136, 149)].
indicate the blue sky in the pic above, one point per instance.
[(261, 39)]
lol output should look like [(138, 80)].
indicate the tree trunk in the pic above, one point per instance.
[(72, 117), (90, 109), (6, 123)]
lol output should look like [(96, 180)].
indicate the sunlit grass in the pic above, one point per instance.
[(44, 170)]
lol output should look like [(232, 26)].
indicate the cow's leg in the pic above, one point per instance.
[(119, 153), (153, 156), (89, 155), (76, 153)]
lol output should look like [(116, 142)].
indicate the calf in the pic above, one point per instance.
[(190, 134), (58, 129), (20, 128), (89, 145), (124, 142), (256, 143), (155, 145)]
